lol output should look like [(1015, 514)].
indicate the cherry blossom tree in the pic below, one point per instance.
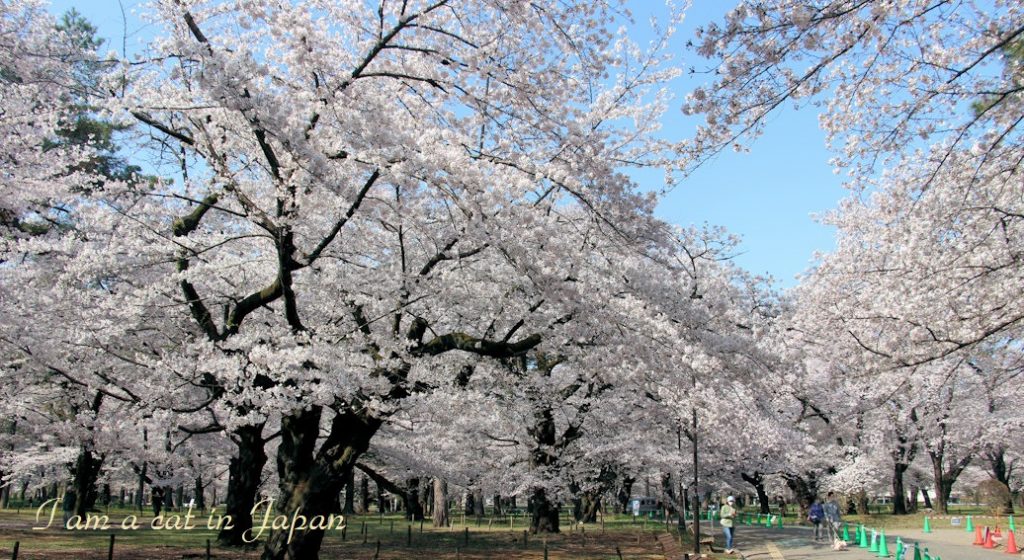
[(366, 196), (887, 76)]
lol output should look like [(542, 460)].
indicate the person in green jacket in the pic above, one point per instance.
[(728, 515)]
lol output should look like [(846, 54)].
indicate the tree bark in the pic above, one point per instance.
[(440, 516), (995, 456), (543, 514), (198, 492), (590, 503), (757, 481), (899, 494), (85, 474), (364, 495), (623, 495), (244, 475), (478, 504), (945, 478), (350, 493), (805, 488), (411, 501), (310, 481), (912, 502), (140, 492)]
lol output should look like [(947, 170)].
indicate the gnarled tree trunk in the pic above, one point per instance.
[(757, 481), (945, 478), (311, 480), (244, 474), (995, 456), (543, 514)]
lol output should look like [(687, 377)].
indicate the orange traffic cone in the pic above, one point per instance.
[(989, 540), (1011, 543), (978, 539)]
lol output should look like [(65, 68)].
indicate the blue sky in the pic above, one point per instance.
[(767, 195)]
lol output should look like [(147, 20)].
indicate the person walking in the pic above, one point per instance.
[(832, 519), (728, 516), (816, 515)]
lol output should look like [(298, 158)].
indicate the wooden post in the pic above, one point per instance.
[(15, 555), (392, 526), (343, 530), (465, 536), (376, 553), (618, 552), (545, 552), (421, 525), (207, 549), (408, 536), (110, 551), (526, 536), (362, 529)]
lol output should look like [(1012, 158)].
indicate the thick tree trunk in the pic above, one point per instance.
[(757, 481), (623, 495), (440, 516), (590, 503), (411, 501), (927, 499), (350, 493), (995, 456), (85, 472), (496, 508), (543, 514), (668, 494), (478, 504), (945, 478), (364, 495), (310, 482), (804, 488), (861, 503), (244, 472), (912, 502), (199, 494), (140, 492), (899, 494)]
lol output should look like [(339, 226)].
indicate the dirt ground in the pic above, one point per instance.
[(397, 540)]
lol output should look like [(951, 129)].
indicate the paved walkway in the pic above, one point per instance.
[(797, 543)]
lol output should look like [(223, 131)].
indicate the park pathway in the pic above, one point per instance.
[(797, 543)]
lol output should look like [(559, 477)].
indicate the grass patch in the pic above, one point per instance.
[(486, 538)]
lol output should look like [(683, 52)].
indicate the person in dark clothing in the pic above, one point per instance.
[(158, 500)]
